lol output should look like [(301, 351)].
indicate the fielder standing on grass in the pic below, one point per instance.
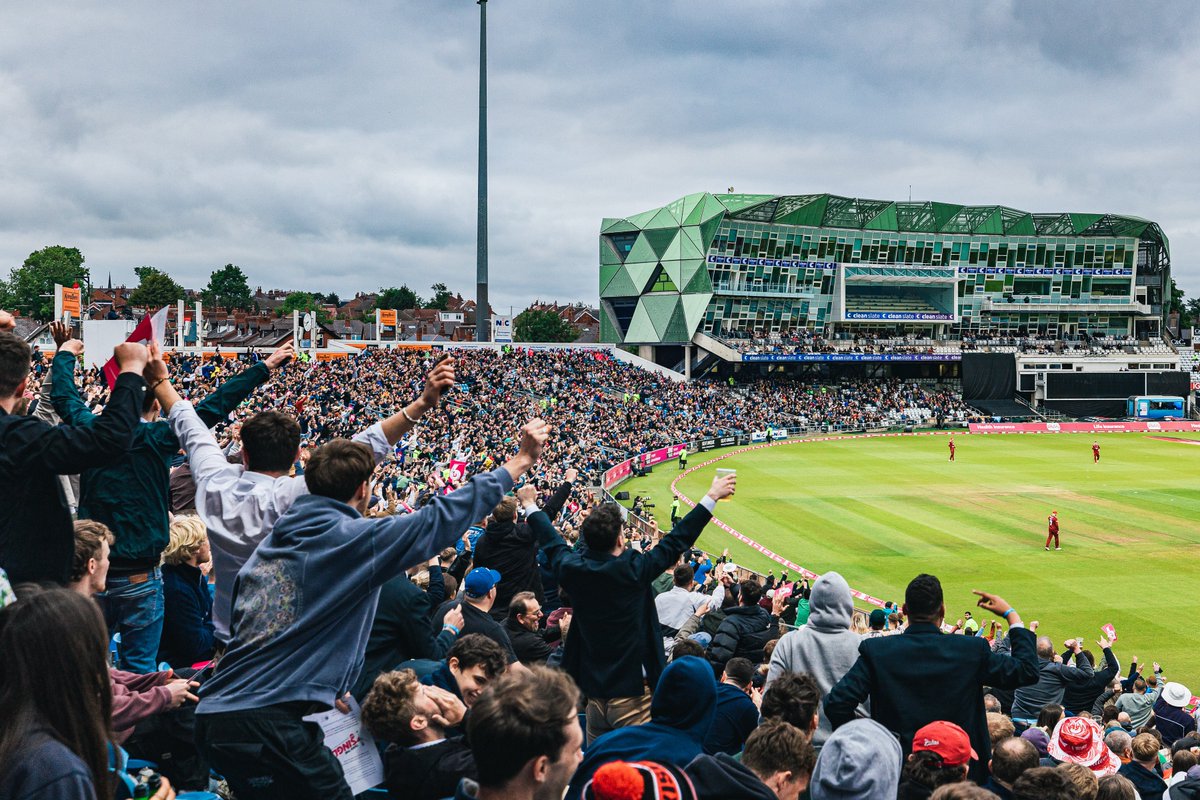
[(952, 447), (1095, 452), (1052, 530)]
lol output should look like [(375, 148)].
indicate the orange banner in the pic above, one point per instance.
[(71, 301), (387, 316), (331, 356)]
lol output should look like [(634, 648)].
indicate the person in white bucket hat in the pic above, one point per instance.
[(1170, 711)]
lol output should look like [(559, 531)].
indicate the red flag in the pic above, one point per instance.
[(152, 328)]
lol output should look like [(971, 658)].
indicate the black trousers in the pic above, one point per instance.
[(268, 753)]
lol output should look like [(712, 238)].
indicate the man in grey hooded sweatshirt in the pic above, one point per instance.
[(824, 647)]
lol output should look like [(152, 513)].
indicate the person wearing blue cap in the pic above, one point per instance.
[(479, 595)]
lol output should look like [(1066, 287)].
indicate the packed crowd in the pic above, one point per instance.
[(252, 585), (806, 340)]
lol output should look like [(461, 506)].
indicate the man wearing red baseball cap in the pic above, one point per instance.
[(940, 754)]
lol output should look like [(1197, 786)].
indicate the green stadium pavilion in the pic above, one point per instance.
[(713, 265)]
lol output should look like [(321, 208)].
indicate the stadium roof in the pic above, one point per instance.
[(834, 211)]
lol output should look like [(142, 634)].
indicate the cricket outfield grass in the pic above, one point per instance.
[(880, 510)]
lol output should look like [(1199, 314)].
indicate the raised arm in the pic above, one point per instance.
[(205, 457), (684, 535), (404, 541), (554, 505), (1021, 667), (64, 394), (69, 449), (230, 394)]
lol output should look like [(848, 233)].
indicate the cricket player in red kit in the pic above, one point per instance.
[(951, 447), (1095, 452), (1053, 530)]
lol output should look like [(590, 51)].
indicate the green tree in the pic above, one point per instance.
[(304, 302), (1192, 307), (155, 289), (441, 297), (332, 299), (400, 298), (229, 289), (542, 326), (36, 277)]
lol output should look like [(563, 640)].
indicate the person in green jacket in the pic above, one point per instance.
[(132, 497)]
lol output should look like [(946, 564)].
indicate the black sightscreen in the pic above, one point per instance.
[(989, 376)]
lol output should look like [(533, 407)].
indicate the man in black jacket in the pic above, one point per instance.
[(1081, 697), (532, 644), (613, 649), (509, 547), (37, 537), (924, 676), (746, 629), (401, 630)]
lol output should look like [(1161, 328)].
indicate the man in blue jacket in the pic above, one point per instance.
[(681, 714), (302, 612)]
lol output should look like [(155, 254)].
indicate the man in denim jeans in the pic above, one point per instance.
[(132, 496)]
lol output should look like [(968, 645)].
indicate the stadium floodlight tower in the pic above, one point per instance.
[(482, 323)]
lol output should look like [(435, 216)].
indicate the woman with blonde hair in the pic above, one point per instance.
[(188, 637)]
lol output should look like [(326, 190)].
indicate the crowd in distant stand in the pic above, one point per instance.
[(493, 656)]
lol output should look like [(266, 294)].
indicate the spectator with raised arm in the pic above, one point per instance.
[(614, 649), (240, 503), (37, 539), (510, 548), (1054, 676), (924, 676), (304, 603), (132, 497)]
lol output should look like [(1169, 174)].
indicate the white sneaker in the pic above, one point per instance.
[(1047, 549), (1058, 548)]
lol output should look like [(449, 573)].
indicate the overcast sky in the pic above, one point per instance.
[(332, 146)]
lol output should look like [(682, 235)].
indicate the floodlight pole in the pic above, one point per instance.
[(482, 323)]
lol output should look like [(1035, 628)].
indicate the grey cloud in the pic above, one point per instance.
[(333, 145)]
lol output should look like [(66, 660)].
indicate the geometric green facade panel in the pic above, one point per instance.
[(693, 206), (659, 309), (698, 282), (618, 226), (690, 245), (1081, 222), (640, 328), (737, 202), (694, 306), (607, 254), (885, 220), (662, 219), (641, 273), (620, 285), (642, 250), (660, 239), (708, 229), (677, 329)]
